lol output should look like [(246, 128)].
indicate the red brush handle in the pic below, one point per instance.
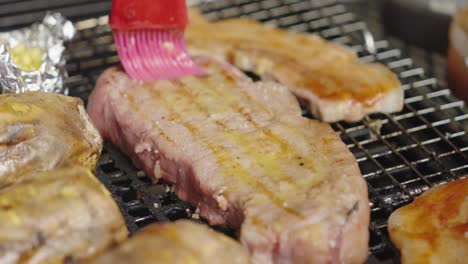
[(141, 14)]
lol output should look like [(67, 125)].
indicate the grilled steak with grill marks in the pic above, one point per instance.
[(330, 78), (244, 156), (180, 242)]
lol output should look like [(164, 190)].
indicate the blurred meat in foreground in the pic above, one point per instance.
[(41, 131), (57, 216), (433, 228), (176, 243)]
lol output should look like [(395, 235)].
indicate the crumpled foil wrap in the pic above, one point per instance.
[(49, 36)]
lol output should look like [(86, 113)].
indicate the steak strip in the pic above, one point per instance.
[(333, 82)]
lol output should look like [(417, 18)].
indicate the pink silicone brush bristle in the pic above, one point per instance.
[(153, 54), (150, 38)]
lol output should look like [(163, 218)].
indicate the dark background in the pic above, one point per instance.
[(411, 21), (17, 13)]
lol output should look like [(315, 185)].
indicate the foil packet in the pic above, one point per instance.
[(32, 58)]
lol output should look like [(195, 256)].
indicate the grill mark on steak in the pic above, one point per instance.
[(281, 142), (268, 133), (228, 164), (182, 88), (216, 150), (155, 125)]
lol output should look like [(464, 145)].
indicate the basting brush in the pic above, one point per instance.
[(149, 35)]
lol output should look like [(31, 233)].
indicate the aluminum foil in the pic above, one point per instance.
[(49, 37)]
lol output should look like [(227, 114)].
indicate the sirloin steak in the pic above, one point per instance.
[(244, 156)]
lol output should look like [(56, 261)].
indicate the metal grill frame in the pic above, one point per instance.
[(400, 155)]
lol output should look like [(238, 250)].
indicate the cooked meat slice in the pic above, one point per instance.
[(330, 78), (178, 242), (58, 215), (244, 156), (40, 131), (433, 228)]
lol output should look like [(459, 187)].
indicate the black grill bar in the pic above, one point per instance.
[(400, 155)]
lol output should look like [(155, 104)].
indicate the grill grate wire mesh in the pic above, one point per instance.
[(400, 155)]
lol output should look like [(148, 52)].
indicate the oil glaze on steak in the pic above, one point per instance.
[(244, 156)]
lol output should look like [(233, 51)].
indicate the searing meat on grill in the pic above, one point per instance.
[(336, 85), (40, 131), (179, 242), (433, 228), (55, 216), (244, 156)]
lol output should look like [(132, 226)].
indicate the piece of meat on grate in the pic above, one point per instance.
[(40, 131), (244, 156), (58, 215), (433, 228), (330, 78), (179, 242)]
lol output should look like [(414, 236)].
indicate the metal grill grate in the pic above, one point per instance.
[(400, 155)]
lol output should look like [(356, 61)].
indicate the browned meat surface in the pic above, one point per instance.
[(434, 228), (178, 242), (56, 216), (244, 156), (41, 131), (330, 78)]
